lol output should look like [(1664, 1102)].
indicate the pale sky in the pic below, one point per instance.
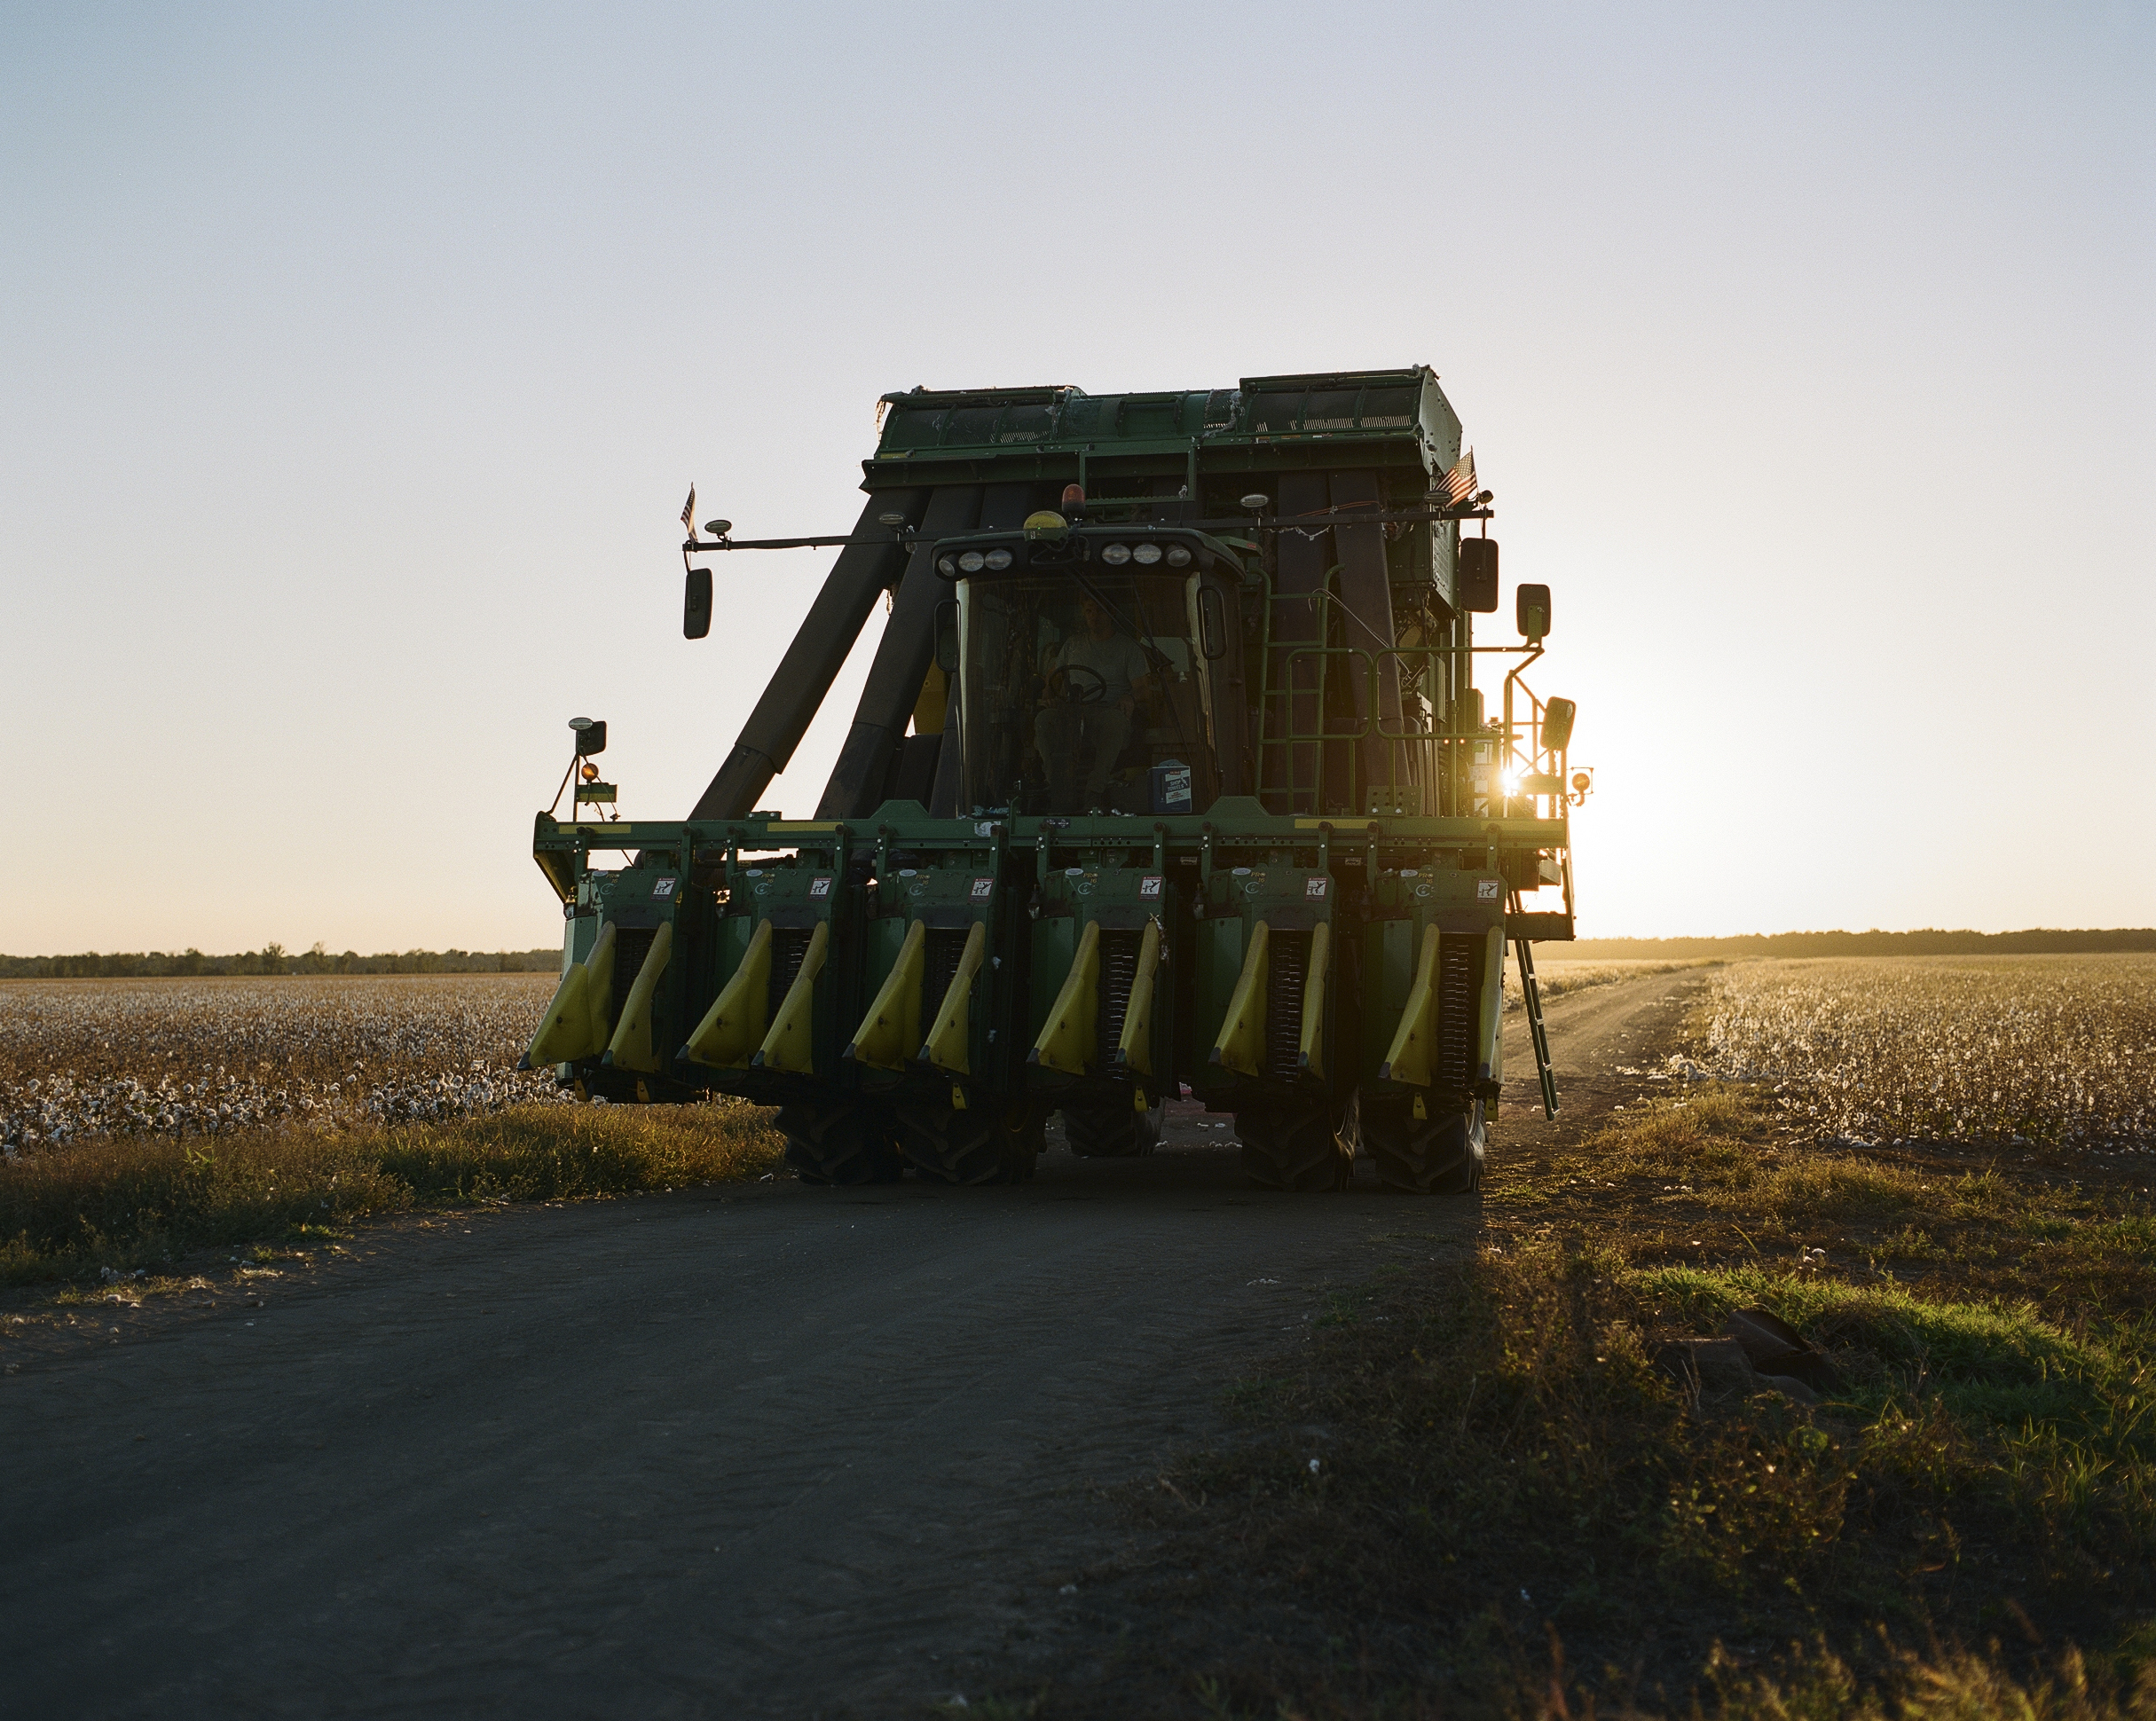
[(357, 359)]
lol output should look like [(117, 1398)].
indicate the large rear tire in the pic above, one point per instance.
[(1306, 1146), (839, 1142), (974, 1146), (1112, 1131), (1442, 1155)]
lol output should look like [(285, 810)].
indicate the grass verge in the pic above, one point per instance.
[(132, 1203), (1475, 1492)]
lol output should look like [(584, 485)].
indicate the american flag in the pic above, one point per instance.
[(1459, 483), (688, 510)]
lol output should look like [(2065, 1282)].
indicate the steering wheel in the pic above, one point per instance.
[(1061, 686)]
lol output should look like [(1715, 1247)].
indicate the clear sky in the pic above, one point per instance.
[(356, 358)]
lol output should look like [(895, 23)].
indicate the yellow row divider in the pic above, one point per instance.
[(733, 1027), (892, 1027), (1309, 1059), (790, 1046), (1133, 1045), (948, 1046), (1409, 1060), (575, 1024), (1241, 1045), (631, 1045), (1070, 1041)]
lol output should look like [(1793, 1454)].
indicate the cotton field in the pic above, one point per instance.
[(83, 1057), (2056, 1051), (1555, 976)]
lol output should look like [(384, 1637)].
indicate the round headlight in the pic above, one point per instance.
[(1146, 554), (971, 562), (1178, 556), (1115, 555), (947, 565), (997, 561)]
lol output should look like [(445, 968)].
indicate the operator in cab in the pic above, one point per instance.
[(1094, 683)]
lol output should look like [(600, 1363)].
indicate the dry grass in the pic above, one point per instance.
[(1473, 1492), (81, 1059), (2041, 1050), (130, 1203)]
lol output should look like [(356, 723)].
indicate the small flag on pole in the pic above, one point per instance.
[(1459, 483), (688, 513)]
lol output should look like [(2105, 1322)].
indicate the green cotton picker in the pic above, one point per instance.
[(1170, 776)]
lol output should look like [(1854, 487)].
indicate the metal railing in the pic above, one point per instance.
[(1458, 767)]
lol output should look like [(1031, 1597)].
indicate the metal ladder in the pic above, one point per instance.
[(1530, 994)]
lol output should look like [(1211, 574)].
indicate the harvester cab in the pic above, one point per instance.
[(1171, 775)]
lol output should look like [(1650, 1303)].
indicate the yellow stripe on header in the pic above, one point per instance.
[(800, 824)]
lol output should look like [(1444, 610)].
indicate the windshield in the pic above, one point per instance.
[(1082, 694)]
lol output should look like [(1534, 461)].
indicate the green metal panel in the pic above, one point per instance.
[(1364, 418), (1389, 947), (1220, 963), (735, 931), (1055, 946), (886, 933)]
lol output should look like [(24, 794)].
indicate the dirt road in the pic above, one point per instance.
[(739, 1451)]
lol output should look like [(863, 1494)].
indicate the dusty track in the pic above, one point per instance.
[(753, 1451)]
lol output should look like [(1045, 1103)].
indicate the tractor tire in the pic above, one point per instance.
[(972, 1147), (838, 1142), (1112, 1131), (1429, 1156), (1305, 1146)]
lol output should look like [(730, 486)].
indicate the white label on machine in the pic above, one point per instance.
[(1150, 885), (1314, 886), (663, 887), (819, 887), (983, 889), (1488, 890)]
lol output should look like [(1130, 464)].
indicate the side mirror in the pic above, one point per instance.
[(1212, 625), (697, 604), (947, 636), (1532, 603), (1557, 724), (1478, 575), (591, 735)]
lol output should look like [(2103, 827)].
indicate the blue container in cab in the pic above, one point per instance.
[(1171, 787)]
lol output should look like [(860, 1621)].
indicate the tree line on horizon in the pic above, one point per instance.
[(1926, 941), (276, 960)]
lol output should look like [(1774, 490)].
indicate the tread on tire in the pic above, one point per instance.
[(1442, 1155), (1306, 1147), (839, 1142), (971, 1147), (1110, 1131)]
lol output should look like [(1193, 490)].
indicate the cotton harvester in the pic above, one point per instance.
[(1170, 775)]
